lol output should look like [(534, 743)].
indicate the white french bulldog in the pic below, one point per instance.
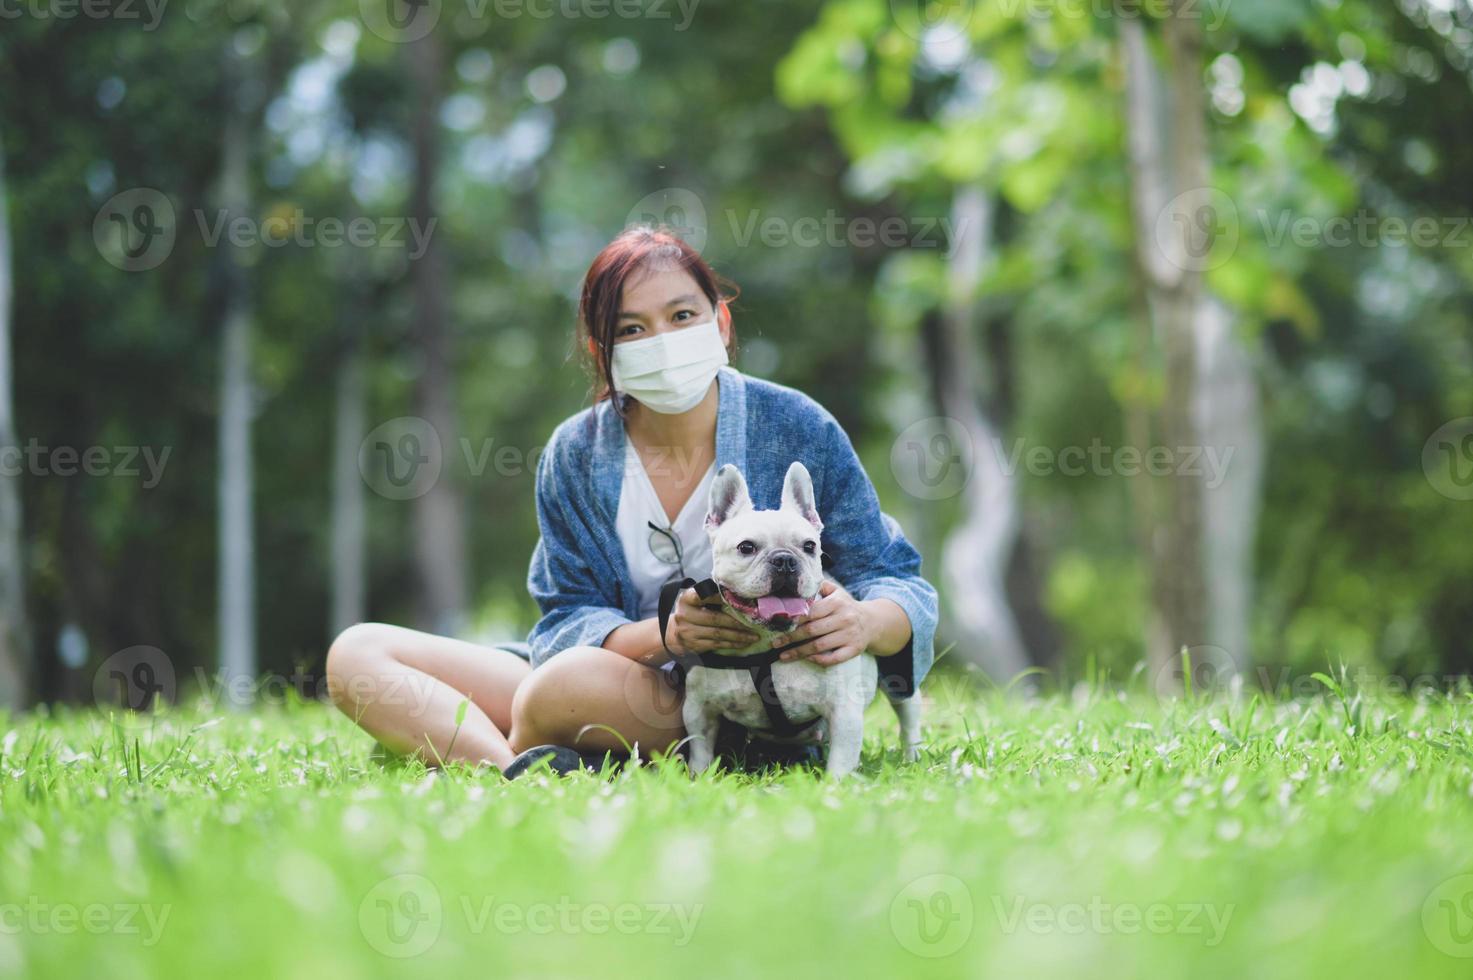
[(767, 563)]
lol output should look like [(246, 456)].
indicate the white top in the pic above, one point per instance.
[(652, 556)]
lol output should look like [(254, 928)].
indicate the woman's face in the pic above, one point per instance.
[(660, 300)]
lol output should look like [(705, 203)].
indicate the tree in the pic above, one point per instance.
[(991, 602), (439, 513), (237, 568), (15, 656), (349, 519), (1200, 560), (980, 549)]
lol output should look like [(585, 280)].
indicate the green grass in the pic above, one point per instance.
[(1090, 833)]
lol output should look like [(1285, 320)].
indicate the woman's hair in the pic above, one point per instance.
[(634, 251)]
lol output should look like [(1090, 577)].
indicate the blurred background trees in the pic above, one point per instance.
[(1110, 232)]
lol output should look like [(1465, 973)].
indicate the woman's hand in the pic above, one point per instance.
[(698, 628), (840, 627)]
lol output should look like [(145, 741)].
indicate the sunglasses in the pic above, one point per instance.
[(665, 546)]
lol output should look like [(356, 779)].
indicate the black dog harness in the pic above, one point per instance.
[(758, 665)]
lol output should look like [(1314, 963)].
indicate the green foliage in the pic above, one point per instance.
[(1033, 113), (1269, 22)]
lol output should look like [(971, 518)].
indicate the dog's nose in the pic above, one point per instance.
[(783, 561)]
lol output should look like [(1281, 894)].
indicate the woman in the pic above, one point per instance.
[(621, 502)]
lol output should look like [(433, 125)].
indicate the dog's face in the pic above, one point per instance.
[(767, 562)]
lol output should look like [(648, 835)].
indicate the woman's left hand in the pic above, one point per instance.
[(838, 627)]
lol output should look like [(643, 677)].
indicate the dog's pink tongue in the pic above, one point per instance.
[(769, 606)]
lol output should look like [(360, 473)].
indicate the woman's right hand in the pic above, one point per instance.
[(698, 628)]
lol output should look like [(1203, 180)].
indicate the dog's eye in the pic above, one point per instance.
[(746, 548), (809, 547)]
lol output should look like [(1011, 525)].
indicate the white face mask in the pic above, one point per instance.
[(670, 372)]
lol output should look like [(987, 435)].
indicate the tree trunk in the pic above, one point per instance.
[(15, 646), (348, 514), (439, 513), (1184, 568), (237, 580), (1229, 420), (977, 554), (1200, 572)]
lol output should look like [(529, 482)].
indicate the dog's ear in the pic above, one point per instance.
[(798, 494), (729, 497)]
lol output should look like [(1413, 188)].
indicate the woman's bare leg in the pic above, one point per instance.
[(586, 686), (404, 688)]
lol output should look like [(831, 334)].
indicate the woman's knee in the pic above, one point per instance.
[(354, 663), (591, 685), (555, 698), (548, 690)]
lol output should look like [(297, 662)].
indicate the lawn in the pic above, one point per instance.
[(1091, 832)]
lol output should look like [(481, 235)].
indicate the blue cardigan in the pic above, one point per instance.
[(579, 576)]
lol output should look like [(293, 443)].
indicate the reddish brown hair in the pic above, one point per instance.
[(635, 250)]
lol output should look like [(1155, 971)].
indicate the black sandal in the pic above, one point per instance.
[(554, 758)]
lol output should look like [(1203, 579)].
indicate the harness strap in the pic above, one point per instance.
[(758, 665)]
